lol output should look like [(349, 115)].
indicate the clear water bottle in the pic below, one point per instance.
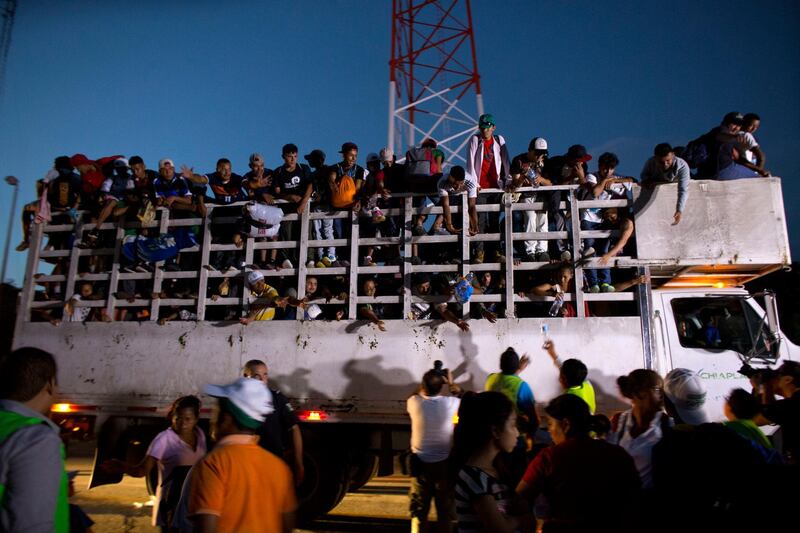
[(545, 333), (558, 303), (531, 175)]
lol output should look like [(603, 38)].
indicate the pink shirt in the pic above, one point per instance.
[(171, 451)]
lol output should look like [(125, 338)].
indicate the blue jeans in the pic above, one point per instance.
[(600, 275)]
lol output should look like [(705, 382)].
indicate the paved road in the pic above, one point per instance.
[(381, 506)]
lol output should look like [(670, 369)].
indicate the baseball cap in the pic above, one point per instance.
[(578, 151), (316, 153), (687, 393), (486, 121), (254, 276), (346, 147), (121, 163), (539, 144), (162, 163), (372, 156), (256, 158), (387, 154), (248, 400), (80, 159), (734, 117)]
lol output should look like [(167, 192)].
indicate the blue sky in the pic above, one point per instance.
[(199, 80)]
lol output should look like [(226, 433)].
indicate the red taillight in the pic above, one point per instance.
[(71, 408), (312, 416)]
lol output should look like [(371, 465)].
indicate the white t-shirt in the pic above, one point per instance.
[(617, 189), (470, 186), (432, 424), (79, 314), (641, 447), (171, 451), (746, 144)]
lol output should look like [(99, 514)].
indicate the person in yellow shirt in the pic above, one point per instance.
[(239, 486), (572, 376), (268, 296)]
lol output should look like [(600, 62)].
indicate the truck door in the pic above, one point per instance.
[(713, 335)]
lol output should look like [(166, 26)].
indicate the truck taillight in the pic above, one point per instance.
[(312, 416), (63, 408)]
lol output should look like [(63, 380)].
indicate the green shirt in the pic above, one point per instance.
[(584, 391)]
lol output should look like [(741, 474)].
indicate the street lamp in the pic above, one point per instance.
[(14, 182)]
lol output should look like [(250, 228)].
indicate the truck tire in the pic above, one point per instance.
[(327, 476), (363, 471)]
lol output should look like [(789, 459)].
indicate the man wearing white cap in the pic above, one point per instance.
[(239, 486), (264, 310), (171, 190), (526, 171)]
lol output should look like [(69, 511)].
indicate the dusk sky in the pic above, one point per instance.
[(198, 80)]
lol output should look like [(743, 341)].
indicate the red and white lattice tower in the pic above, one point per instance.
[(433, 76)]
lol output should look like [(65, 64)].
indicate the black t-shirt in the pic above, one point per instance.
[(64, 191), (274, 432), (786, 413), (319, 178), (291, 182)]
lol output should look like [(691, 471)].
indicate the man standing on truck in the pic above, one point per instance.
[(432, 424), (279, 424), (239, 486), (33, 484)]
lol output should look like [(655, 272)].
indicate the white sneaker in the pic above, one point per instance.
[(287, 264), (566, 255)]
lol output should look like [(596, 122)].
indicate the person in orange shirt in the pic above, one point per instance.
[(239, 486)]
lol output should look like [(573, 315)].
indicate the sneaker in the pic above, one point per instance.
[(607, 287), (310, 264), (478, 259), (231, 269), (377, 215), (329, 260), (287, 264), (367, 261), (211, 268), (21, 247), (542, 257), (342, 263), (141, 267), (418, 230), (438, 231), (129, 269), (321, 263), (566, 255), (594, 289), (589, 252)]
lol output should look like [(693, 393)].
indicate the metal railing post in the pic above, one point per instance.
[(29, 285), (352, 300), (205, 259), (509, 253), (113, 279), (407, 268), (302, 258), (465, 240), (158, 272), (575, 221)]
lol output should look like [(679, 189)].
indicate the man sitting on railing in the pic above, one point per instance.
[(64, 195), (115, 190), (614, 220), (666, 167), (375, 195), (291, 182), (171, 190), (526, 171), (456, 182), (345, 180)]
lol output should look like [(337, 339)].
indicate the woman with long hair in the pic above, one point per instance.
[(487, 425), (638, 429), (174, 451)]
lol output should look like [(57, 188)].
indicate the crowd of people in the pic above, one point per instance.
[(486, 459), (90, 192)]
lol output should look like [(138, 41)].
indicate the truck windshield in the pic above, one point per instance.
[(727, 323)]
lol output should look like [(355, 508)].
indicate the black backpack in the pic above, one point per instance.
[(701, 154)]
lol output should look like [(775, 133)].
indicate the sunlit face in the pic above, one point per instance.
[(259, 372), (167, 171), (369, 288), (290, 159), (558, 429), (311, 285), (508, 434), (224, 170), (184, 420), (138, 170), (666, 161), (753, 126), (564, 277), (487, 132), (259, 286), (349, 158), (257, 166)]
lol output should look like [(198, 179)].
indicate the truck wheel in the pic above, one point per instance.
[(363, 471), (327, 476)]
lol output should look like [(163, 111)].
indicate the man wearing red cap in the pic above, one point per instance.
[(92, 175)]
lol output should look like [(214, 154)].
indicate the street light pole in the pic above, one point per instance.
[(14, 182)]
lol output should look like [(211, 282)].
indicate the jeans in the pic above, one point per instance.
[(323, 230), (600, 275)]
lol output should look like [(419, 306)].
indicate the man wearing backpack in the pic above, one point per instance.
[(345, 180), (703, 153), (487, 159)]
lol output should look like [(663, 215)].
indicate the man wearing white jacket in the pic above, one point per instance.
[(487, 159)]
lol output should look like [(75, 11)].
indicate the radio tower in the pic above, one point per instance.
[(8, 11), (433, 75)]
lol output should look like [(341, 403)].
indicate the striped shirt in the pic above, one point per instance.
[(473, 483)]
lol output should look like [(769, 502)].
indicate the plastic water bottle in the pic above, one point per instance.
[(531, 175), (545, 334), (555, 309)]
